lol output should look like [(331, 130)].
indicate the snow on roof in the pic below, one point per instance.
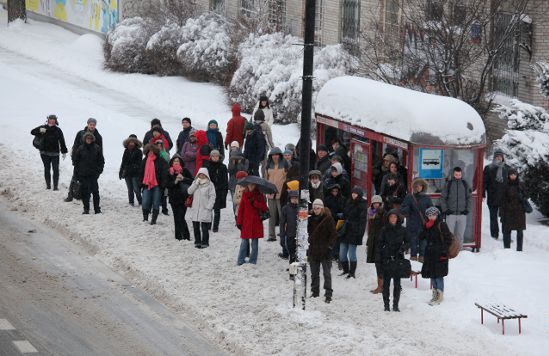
[(399, 112)]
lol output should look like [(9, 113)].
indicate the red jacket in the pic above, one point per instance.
[(235, 127), (248, 217), (201, 140)]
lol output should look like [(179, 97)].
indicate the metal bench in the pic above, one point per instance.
[(501, 312)]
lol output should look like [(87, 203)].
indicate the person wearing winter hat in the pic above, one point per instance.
[(337, 177), (179, 180), (355, 214), (381, 169), (435, 265), (413, 207), (235, 127), (513, 214), (265, 109), (392, 243), (255, 147), (322, 238), (220, 179), (248, 221), (79, 141), (215, 138), (495, 181), (376, 213), (323, 160), (183, 135), (204, 149), (237, 163), (203, 192), (155, 123), (130, 166), (52, 140), (275, 173), (456, 203), (316, 188), (238, 190), (189, 152), (89, 163), (288, 227), (153, 179)]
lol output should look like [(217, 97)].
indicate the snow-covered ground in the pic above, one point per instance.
[(247, 309)]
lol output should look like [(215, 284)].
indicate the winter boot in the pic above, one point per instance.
[(345, 266), (328, 300), (47, 176), (146, 213), (434, 297), (379, 288), (352, 270), (186, 232), (440, 297), (386, 299), (396, 298), (154, 216)]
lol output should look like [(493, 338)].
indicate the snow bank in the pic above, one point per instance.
[(399, 112)]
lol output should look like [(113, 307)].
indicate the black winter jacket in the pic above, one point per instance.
[(78, 140), (52, 139), (182, 138), (177, 192), (161, 168), (89, 161), (255, 146), (219, 176), (131, 163), (493, 189), (355, 214), (288, 221), (323, 164), (334, 204), (149, 136), (392, 243), (435, 263)]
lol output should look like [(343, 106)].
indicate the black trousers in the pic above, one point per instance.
[(217, 218), (89, 186), (204, 237), (49, 163), (507, 239), (315, 276), (396, 289), (181, 227), (494, 224)]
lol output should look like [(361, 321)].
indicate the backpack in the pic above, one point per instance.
[(449, 184)]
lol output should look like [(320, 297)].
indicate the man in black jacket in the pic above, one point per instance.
[(78, 141), (155, 123), (495, 180), (89, 164)]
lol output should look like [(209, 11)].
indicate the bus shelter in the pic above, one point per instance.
[(430, 134)]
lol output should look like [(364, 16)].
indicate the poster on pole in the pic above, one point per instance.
[(431, 163)]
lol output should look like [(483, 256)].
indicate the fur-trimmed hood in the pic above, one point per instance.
[(138, 144), (422, 182), (152, 148)]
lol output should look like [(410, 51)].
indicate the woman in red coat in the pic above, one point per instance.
[(203, 151), (249, 222)]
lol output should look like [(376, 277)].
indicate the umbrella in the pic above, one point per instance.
[(264, 186)]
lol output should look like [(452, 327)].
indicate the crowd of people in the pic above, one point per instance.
[(195, 181)]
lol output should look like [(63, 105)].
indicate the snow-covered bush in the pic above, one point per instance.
[(272, 65), (162, 49), (125, 46), (526, 145), (205, 50)]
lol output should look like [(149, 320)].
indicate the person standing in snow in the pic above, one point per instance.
[(204, 149), (183, 135), (203, 191), (355, 214), (340, 150), (215, 138), (161, 144), (288, 227), (248, 221), (455, 202), (393, 192), (155, 123), (276, 174), (392, 243), (219, 177), (393, 170), (511, 209), (89, 163), (322, 238), (316, 188), (153, 179), (235, 127), (413, 208), (130, 167), (263, 133), (337, 177), (189, 152), (323, 160), (263, 105), (179, 180), (381, 170), (495, 180), (254, 147), (78, 141), (237, 163), (52, 141), (238, 191), (376, 214), (435, 266)]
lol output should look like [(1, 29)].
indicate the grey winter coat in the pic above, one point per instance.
[(456, 197), (203, 199)]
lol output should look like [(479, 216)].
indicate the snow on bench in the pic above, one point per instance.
[(501, 311)]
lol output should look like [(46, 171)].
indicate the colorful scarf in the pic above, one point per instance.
[(430, 223), (149, 178)]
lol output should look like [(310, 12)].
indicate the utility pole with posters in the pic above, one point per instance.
[(17, 10)]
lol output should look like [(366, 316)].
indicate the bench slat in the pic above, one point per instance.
[(501, 311)]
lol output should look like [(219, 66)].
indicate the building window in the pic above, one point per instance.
[(434, 10), (249, 8), (217, 6), (505, 75), (350, 24), (277, 14), (318, 22)]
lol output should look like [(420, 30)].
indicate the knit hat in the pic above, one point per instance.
[(293, 193), (215, 153), (358, 190), (318, 203), (432, 211), (186, 119), (288, 152), (155, 122), (259, 115), (315, 172), (86, 135), (322, 148), (290, 146), (212, 122), (377, 199), (241, 174), (92, 120), (499, 152), (293, 185), (235, 144)]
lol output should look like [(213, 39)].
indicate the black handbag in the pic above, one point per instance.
[(526, 206), (265, 215), (404, 268), (37, 141)]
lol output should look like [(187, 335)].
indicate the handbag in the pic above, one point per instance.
[(189, 201), (526, 206), (454, 248), (404, 268), (37, 141), (264, 215), (75, 189)]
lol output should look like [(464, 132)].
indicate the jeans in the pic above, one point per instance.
[(416, 246), (438, 283), (507, 239), (347, 249), (275, 210), (456, 225), (204, 238), (151, 198), (244, 246), (315, 276), (132, 183), (181, 227), (49, 163), (89, 186), (494, 224)]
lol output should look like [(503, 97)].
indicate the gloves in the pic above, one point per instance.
[(465, 212), (64, 156), (42, 130)]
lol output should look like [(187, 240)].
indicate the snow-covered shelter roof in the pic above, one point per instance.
[(401, 113)]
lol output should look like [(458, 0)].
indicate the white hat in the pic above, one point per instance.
[(319, 203), (235, 144)]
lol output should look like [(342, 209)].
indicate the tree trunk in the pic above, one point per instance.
[(17, 10)]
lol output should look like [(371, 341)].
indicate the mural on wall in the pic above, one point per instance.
[(95, 15)]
